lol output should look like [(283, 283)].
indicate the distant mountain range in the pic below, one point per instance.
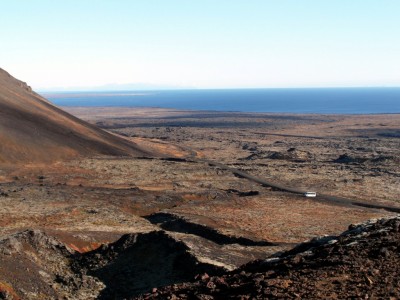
[(116, 87)]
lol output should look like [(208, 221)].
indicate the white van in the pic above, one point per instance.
[(310, 194)]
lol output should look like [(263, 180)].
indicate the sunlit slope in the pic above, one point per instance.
[(33, 130)]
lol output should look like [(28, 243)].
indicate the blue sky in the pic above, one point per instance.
[(202, 43)]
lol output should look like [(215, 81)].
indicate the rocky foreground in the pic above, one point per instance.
[(362, 262), (34, 265)]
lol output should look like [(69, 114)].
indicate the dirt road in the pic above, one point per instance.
[(320, 197)]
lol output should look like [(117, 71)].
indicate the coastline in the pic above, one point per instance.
[(299, 101)]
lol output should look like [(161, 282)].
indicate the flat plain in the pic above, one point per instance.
[(349, 156), (225, 220)]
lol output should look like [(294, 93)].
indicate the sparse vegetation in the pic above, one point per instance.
[(222, 221)]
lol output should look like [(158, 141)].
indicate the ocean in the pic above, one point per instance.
[(304, 100)]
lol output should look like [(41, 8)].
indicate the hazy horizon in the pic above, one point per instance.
[(202, 44), (277, 100), (102, 90)]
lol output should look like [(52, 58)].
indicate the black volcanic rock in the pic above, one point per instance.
[(347, 159), (33, 263), (361, 263), (136, 263)]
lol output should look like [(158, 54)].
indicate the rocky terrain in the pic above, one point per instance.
[(360, 263), (194, 205), (182, 208), (38, 266)]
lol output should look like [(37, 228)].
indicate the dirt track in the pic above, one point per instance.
[(320, 197), (204, 203)]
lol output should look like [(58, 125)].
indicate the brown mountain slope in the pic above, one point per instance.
[(34, 130)]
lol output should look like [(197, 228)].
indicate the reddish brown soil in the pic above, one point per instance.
[(32, 129), (214, 217)]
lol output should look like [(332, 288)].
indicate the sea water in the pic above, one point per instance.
[(304, 100)]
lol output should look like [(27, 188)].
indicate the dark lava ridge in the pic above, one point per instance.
[(171, 222), (361, 263)]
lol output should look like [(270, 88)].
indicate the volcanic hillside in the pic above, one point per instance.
[(34, 130)]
